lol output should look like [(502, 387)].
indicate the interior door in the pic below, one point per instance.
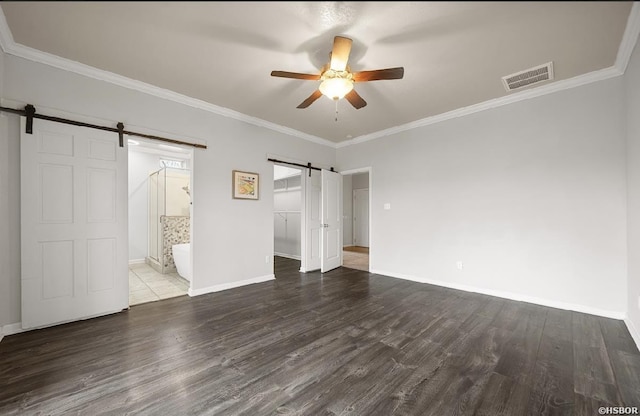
[(312, 230), (74, 224), (331, 216), (361, 217)]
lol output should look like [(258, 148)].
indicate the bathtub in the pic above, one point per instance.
[(182, 259)]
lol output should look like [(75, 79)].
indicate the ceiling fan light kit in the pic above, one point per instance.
[(336, 84), (337, 80)]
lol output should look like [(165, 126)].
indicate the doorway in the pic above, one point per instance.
[(287, 217), (159, 221), (356, 224), (307, 217), (361, 217)]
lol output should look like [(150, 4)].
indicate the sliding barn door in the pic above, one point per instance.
[(312, 235), (331, 221), (74, 224)]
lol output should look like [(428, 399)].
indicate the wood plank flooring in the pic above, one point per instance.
[(343, 343), (357, 249)]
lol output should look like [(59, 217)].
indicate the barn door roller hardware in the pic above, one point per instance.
[(30, 113), (307, 166)]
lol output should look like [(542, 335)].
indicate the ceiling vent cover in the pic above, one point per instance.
[(528, 77)]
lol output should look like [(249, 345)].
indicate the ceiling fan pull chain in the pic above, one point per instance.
[(336, 110)]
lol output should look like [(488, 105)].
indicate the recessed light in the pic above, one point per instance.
[(132, 142)]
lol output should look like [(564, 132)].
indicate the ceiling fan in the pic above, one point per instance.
[(337, 78)]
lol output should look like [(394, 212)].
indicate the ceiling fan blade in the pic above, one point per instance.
[(378, 74), (306, 103), (354, 98), (295, 75), (340, 53)]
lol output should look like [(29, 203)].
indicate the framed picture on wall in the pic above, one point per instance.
[(246, 185)]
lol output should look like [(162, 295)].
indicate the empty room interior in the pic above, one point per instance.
[(320, 208)]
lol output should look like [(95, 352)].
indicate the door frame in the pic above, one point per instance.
[(191, 160), (369, 170), (302, 209)]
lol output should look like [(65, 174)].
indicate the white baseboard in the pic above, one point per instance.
[(509, 295), (230, 285), (11, 329), (137, 261), (288, 256), (635, 334)]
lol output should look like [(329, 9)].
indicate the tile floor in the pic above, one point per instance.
[(147, 285)]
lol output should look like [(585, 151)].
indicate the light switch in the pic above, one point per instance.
[(387, 206)]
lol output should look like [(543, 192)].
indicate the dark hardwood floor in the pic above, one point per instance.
[(346, 342)]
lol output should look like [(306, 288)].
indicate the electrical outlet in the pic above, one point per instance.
[(266, 259), (460, 265)]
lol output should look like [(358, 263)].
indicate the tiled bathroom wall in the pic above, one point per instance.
[(175, 230)]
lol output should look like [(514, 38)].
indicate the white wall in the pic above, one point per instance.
[(530, 196), (231, 238), (360, 181), (140, 165), (10, 212), (4, 208), (632, 87)]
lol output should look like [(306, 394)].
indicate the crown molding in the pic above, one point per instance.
[(589, 78), (6, 37), (629, 39), (10, 47)]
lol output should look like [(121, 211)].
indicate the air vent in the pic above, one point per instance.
[(528, 77)]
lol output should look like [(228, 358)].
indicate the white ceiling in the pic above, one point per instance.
[(454, 53)]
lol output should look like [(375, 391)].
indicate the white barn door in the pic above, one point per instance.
[(74, 224), (331, 221), (312, 229)]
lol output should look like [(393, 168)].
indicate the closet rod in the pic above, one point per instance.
[(30, 112), (308, 165)]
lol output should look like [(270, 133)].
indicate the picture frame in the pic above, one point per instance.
[(246, 185)]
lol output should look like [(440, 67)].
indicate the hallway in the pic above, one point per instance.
[(356, 257)]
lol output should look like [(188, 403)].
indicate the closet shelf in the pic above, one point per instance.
[(295, 188)]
